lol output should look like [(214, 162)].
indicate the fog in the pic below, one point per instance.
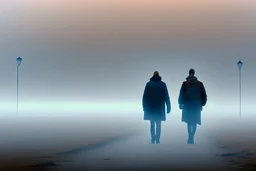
[(89, 57), (85, 66), (113, 80)]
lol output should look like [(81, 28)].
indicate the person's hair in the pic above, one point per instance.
[(191, 72), (156, 73)]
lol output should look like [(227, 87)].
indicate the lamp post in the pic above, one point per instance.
[(19, 60), (239, 65)]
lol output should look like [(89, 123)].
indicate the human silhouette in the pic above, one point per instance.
[(155, 98), (191, 100)]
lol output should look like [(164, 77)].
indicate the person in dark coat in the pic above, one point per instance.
[(155, 98), (191, 100)]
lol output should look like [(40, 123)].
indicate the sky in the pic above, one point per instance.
[(104, 51)]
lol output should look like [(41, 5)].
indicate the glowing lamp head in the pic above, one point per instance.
[(239, 64), (19, 60)]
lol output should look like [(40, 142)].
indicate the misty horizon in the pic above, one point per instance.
[(83, 52)]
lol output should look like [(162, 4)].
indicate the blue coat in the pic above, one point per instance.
[(155, 98), (192, 97)]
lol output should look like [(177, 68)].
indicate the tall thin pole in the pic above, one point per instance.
[(19, 59), (240, 111), (17, 89)]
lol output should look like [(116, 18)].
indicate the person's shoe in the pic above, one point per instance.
[(190, 140), (153, 140), (158, 142)]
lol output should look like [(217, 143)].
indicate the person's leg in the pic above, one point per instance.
[(194, 126), (152, 131), (158, 131), (189, 129)]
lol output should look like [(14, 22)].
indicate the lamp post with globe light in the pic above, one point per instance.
[(19, 60), (239, 65)]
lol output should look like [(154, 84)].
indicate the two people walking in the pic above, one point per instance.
[(156, 103)]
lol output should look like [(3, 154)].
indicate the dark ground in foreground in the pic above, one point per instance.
[(135, 153), (229, 146)]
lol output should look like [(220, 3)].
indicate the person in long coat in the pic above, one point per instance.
[(191, 100), (155, 97)]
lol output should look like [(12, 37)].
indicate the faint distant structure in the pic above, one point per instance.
[(239, 65), (19, 60)]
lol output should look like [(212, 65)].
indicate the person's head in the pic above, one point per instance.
[(156, 73), (191, 72)]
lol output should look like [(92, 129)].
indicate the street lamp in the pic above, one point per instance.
[(239, 65), (19, 60)]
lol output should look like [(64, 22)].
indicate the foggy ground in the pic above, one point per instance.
[(135, 153), (61, 143), (29, 139)]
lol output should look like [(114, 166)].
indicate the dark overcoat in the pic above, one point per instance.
[(192, 97), (155, 97)]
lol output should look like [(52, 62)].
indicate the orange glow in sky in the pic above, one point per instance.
[(113, 20)]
